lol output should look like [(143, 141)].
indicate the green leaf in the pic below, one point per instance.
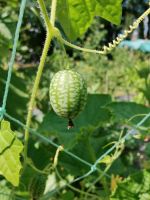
[(94, 113), (107, 159), (110, 10), (93, 116), (4, 48), (5, 192), (80, 138), (5, 32), (145, 196), (134, 187), (75, 16), (17, 94), (56, 126), (10, 149), (68, 195), (123, 111)]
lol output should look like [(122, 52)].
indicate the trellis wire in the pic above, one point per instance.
[(45, 139), (12, 59), (93, 167)]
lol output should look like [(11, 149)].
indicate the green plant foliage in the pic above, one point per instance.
[(17, 93), (93, 116), (95, 113), (135, 187), (76, 16), (144, 73), (123, 111), (4, 31), (37, 186), (10, 149), (8, 20), (110, 10), (12, 3), (121, 75), (4, 48), (25, 179), (5, 192), (68, 195)]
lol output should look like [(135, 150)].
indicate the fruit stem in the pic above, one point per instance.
[(65, 57), (70, 124)]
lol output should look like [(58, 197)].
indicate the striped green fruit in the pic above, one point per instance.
[(68, 94), (37, 186)]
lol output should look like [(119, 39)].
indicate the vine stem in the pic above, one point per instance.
[(49, 36), (112, 44), (117, 153), (76, 189), (53, 12)]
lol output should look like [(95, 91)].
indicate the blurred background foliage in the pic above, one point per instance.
[(118, 87)]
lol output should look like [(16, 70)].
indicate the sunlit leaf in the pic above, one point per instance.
[(4, 31), (107, 159), (10, 149), (76, 16), (5, 192), (134, 187)]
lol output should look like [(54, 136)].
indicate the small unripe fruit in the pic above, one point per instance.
[(37, 186), (68, 94)]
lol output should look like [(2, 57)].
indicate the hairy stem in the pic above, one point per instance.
[(34, 92), (38, 76), (81, 48), (53, 11), (44, 13)]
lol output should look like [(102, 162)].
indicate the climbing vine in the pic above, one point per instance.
[(68, 97)]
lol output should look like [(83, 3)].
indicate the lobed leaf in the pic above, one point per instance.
[(10, 149), (134, 187), (75, 16), (124, 111)]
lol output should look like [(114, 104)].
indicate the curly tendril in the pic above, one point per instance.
[(115, 42)]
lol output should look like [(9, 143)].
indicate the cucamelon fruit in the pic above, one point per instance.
[(37, 186), (68, 94)]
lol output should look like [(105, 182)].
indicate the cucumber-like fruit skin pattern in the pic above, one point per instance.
[(37, 186), (68, 93)]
